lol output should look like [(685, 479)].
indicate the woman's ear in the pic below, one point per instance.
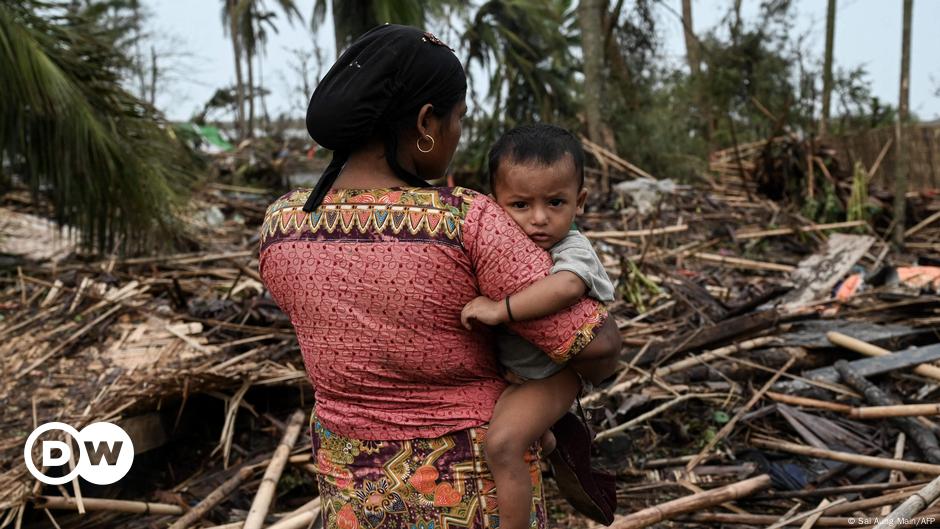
[(424, 120), (582, 198)]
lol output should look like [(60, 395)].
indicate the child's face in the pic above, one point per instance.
[(542, 199)]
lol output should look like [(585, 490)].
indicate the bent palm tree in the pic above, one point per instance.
[(103, 158)]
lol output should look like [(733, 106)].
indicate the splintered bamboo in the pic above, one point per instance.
[(867, 349), (98, 504), (695, 502), (262, 502), (845, 457), (916, 503)]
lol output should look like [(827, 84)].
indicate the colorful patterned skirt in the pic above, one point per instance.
[(440, 483)]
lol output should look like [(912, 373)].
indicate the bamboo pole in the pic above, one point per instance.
[(813, 518), (919, 434), (262, 502), (915, 504), (766, 519), (896, 475), (652, 413), (635, 233), (865, 504), (844, 489), (809, 403), (746, 264), (708, 356), (299, 520), (845, 457), (816, 512), (714, 354), (803, 229), (867, 349), (922, 224), (98, 504), (213, 499), (695, 502), (900, 410)]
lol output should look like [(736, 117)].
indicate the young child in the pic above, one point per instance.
[(537, 176)]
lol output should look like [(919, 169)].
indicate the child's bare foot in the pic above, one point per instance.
[(547, 442)]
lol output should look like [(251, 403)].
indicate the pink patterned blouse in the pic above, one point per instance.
[(374, 281)]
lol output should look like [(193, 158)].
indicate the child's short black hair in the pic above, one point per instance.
[(542, 143)]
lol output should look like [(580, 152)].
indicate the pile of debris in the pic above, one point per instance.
[(759, 346)]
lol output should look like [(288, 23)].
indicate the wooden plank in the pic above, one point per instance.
[(817, 274)]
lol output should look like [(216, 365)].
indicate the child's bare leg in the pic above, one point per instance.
[(524, 412)]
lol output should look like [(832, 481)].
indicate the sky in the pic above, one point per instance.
[(868, 33)]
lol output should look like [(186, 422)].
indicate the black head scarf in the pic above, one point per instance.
[(375, 87)]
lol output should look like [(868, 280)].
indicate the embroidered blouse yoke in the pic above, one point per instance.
[(374, 281)]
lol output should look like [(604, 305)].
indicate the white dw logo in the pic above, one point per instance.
[(106, 453)]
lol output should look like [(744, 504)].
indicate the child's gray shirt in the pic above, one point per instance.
[(574, 254)]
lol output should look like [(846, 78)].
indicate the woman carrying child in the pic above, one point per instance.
[(373, 267)]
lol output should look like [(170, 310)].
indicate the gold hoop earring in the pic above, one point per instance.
[(418, 143)]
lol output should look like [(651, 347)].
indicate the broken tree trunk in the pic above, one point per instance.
[(921, 436)]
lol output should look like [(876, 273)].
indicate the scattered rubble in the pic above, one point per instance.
[(776, 371)]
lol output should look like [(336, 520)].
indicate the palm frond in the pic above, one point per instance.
[(104, 159)]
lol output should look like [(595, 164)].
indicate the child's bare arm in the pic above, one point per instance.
[(546, 296)]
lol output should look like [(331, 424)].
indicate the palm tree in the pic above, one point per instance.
[(247, 20), (254, 21), (231, 27), (352, 18), (525, 46), (104, 159)]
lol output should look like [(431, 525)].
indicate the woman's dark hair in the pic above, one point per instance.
[(376, 89), (541, 143)]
